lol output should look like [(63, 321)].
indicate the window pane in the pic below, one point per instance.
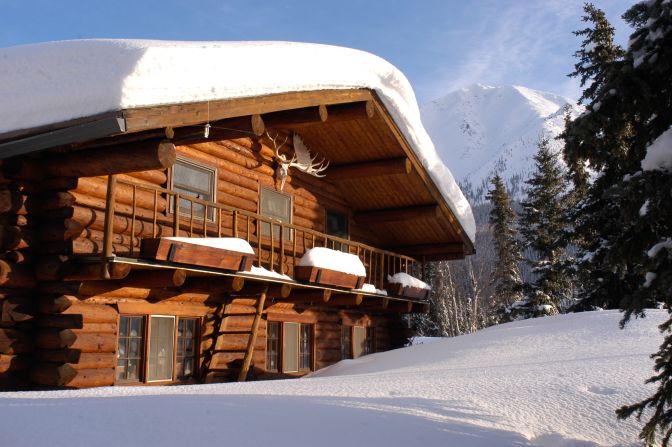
[(130, 344), (346, 342), (359, 338), (290, 347), (186, 341), (306, 347), (190, 179), (337, 224), (272, 340), (370, 340), (161, 341), (277, 206)]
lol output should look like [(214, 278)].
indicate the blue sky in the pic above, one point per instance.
[(439, 45)]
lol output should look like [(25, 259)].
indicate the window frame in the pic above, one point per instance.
[(370, 345), (279, 357), (289, 233), (143, 353), (145, 341), (170, 210)]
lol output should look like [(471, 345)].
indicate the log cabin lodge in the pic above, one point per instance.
[(159, 227)]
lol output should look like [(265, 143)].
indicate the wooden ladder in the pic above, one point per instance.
[(247, 360), (219, 321)]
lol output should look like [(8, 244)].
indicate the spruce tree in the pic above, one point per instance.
[(629, 205), (542, 226), (506, 276)]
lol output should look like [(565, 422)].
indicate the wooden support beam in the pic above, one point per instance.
[(149, 279), (376, 168), (210, 284), (249, 352), (99, 271), (398, 214), (274, 290), (346, 299), (360, 110), (309, 295), (132, 157), (52, 374), (244, 126), (431, 249), (296, 117)]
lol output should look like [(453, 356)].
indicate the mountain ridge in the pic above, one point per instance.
[(481, 129)]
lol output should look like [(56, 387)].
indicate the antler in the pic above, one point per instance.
[(303, 160), (281, 158)]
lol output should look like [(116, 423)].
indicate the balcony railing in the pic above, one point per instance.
[(278, 245)]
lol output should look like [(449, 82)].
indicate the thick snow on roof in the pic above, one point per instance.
[(56, 81), (552, 381)]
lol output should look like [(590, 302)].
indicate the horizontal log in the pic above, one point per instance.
[(329, 355), (18, 276), (411, 213), (94, 342), (59, 183), (94, 271), (132, 157), (431, 249), (79, 314), (144, 198), (10, 237), (149, 279), (296, 117), (220, 130), (52, 200), (18, 257), (13, 341), (14, 220), (376, 168), (65, 355), (273, 290), (153, 176), (17, 309), (55, 338), (52, 374), (360, 110), (211, 284), (54, 267), (55, 304), (64, 230), (345, 299), (12, 363), (95, 360), (11, 201), (87, 378), (22, 168), (309, 295)]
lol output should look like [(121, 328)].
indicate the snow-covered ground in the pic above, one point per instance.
[(550, 382)]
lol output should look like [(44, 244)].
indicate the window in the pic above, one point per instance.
[(156, 348), (277, 206), (130, 350), (185, 359), (357, 341), (193, 179), (289, 347), (336, 224)]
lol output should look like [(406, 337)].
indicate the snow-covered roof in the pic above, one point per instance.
[(56, 81)]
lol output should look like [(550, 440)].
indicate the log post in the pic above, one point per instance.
[(247, 360), (109, 223)]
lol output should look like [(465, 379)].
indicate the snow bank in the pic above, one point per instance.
[(552, 381), (56, 81), (326, 258), (225, 243), (260, 271), (407, 280), (659, 153)]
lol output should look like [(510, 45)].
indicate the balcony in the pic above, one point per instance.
[(148, 211)]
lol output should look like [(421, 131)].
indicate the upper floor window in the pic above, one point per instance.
[(196, 180), (278, 207), (337, 224)]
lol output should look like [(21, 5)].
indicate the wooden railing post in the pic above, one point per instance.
[(249, 352), (109, 217), (176, 215)]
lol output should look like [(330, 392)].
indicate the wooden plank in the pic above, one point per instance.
[(320, 276), (194, 113), (376, 168), (247, 360), (180, 252), (164, 308)]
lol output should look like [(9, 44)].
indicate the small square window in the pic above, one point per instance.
[(337, 224), (195, 180), (278, 207)]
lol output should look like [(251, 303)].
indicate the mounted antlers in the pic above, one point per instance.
[(302, 160)]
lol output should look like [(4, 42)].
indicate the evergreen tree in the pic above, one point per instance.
[(629, 205), (506, 276), (542, 226)]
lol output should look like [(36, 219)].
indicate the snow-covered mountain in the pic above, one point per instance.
[(479, 130)]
